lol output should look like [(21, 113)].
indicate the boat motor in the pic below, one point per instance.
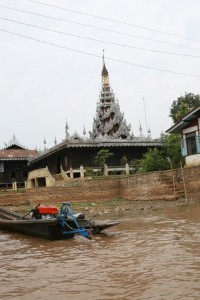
[(45, 212)]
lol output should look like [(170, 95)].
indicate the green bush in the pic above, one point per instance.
[(89, 172), (154, 160)]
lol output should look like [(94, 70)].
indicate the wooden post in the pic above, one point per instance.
[(105, 173), (127, 169), (174, 187), (81, 171), (186, 199), (71, 173)]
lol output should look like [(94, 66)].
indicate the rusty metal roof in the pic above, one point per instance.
[(17, 154)]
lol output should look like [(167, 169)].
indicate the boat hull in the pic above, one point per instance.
[(44, 228), (53, 228), (98, 225), (38, 228)]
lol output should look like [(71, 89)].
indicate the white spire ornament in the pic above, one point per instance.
[(109, 122)]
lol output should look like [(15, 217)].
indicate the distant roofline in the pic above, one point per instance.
[(12, 142)]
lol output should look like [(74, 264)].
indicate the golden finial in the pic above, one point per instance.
[(104, 71)]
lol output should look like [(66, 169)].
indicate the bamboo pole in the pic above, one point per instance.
[(185, 191), (174, 187)]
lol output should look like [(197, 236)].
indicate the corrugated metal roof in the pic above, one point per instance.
[(17, 154), (97, 144)]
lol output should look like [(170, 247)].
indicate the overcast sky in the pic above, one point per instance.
[(42, 85)]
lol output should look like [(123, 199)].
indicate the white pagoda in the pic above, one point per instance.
[(109, 122)]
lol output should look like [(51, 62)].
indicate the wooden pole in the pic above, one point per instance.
[(186, 199), (174, 187)]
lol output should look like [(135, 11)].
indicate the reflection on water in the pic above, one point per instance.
[(155, 257)]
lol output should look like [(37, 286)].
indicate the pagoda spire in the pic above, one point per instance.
[(45, 142), (140, 130), (104, 73), (84, 131), (109, 122), (66, 130)]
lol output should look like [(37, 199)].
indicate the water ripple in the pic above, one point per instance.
[(142, 258)]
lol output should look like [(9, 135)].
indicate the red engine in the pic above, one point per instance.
[(45, 212)]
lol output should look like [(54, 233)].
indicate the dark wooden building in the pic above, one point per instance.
[(14, 164), (71, 154)]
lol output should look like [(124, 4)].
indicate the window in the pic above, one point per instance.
[(198, 143), (183, 147), (191, 143)]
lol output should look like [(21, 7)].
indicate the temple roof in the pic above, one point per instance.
[(98, 143), (15, 151), (17, 154), (14, 144)]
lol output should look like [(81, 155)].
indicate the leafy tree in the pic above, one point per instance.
[(172, 147), (154, 160), (102, 156), (183, 105)]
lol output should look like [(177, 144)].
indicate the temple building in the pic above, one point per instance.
[(14, 164), (110, 131)]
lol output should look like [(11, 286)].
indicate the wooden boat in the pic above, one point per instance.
[(17, 222), (50, 223), (98, 225)]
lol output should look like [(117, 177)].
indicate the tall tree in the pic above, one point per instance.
[(183, 105)]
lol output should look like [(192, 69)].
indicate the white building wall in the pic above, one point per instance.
[(192, 160)]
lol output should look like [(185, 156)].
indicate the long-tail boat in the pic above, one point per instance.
[(50, 223)]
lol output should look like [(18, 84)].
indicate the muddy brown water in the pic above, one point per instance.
[(145, 257)]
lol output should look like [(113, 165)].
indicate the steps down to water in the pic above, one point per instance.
[(175, 185)]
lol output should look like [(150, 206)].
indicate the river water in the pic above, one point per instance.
[(145, 257)]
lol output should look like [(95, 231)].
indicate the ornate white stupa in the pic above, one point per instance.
[(109, 122)]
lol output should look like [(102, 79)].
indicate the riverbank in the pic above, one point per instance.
[(127, 208), (118, 208), (145, 189)]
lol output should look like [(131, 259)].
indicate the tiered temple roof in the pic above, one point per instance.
[(109, 121), (109, 128)]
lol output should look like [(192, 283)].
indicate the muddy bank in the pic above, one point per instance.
[(118, 209)]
